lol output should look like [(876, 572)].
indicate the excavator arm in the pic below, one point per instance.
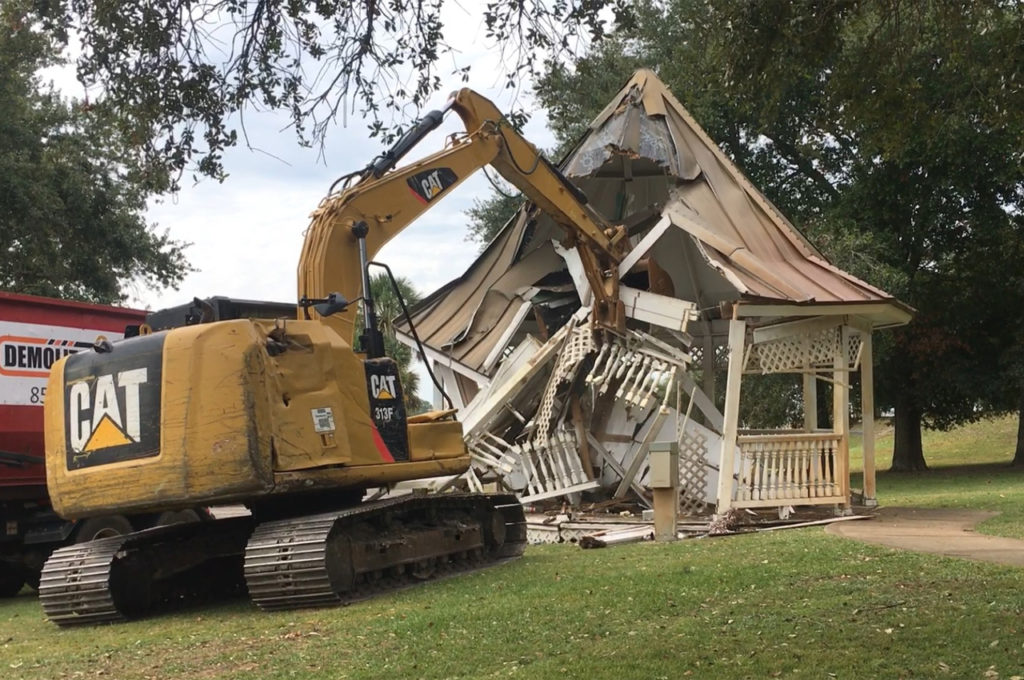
[(382, 202)]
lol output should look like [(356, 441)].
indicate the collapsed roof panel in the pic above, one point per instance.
[(443, 319), (629, 145), (692, 276)]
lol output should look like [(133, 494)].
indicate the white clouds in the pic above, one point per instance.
[(246, 233)]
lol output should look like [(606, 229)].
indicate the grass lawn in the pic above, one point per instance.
[(792, 604)]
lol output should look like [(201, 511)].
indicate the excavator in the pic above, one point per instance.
[(284, 416)]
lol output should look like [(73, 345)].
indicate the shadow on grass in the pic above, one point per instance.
[(943, 473), (965, 469)]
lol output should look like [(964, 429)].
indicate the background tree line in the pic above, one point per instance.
[(892, 134), (73, 190)]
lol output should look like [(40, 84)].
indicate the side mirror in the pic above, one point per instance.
[(332, 304)]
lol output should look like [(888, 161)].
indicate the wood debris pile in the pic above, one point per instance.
[(540, 441)]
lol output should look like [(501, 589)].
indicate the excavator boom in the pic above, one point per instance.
[(387, 201)]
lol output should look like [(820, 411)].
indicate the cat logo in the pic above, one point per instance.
[(383, 386), (386, 409), (112, 403), (430, 184), (105, 413)]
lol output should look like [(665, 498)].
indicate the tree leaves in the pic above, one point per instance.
[(176, 73), (892, 132), (72, 193), (488, 215)]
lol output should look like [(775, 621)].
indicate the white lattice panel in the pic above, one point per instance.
[(693, 472), (795, 352), (546, 410), (578, 345), (854, 345), (802, 351)]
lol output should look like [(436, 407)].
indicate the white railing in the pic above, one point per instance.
[(550, 467), (791, 468)]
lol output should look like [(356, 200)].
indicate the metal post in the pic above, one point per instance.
[(371, 339)]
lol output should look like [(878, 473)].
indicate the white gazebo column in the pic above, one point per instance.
[(867, 407), (841, 411), (737, 336)]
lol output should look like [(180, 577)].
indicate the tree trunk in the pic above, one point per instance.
[(907, 453), (824, 404), (1018, 456)]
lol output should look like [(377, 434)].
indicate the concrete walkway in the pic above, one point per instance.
[(946, 532)]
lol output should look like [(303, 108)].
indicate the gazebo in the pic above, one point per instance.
[(714, 272)]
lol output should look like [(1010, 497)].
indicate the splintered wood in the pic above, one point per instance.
[(600, 531), (713, 283), (545, 450), (589, 407)]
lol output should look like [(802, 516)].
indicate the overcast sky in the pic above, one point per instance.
[(246, 233)]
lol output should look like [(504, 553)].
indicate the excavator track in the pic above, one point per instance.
[(74, 586), (309, 561), (350, 555), (121, 577)]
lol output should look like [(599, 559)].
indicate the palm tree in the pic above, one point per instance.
[(388, 310)]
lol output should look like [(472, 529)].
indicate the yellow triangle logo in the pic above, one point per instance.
[(106, 434), (384, 394)]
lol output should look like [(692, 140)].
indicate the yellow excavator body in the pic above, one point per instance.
[(222, 413)]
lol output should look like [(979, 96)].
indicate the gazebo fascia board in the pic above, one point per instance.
[(881, 314)]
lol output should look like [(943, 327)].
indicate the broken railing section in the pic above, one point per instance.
[(547, 468), (638, 373)]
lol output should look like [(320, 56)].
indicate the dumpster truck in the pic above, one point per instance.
[(34, 333)]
